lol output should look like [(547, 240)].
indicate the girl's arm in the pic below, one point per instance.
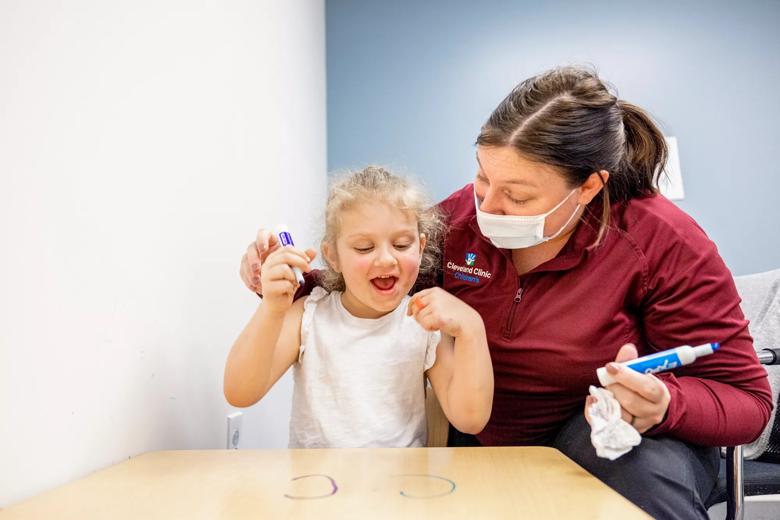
[(266, 348), (462, 375), (269, 344)]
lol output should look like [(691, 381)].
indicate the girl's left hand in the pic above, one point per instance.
[(436, 309), (643, 398)]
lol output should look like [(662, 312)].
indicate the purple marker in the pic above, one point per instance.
[(285, 239)]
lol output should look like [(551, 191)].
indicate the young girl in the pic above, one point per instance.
[(359, 346)]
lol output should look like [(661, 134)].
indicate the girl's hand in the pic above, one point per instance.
[(278, 278), (643, 398), (436, 309), (266, 242)]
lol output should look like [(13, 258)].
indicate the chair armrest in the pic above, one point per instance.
[(769, 356)]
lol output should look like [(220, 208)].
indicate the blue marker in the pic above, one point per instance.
[(285, 239), (661, 361)]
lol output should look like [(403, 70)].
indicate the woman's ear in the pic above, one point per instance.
[(423, 241), (592, 186), (330, 256)]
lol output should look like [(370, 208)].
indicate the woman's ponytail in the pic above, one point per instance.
[(644, 157)]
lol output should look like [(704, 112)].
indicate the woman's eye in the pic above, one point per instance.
[(363, 249), (516, 201), (403, 246)]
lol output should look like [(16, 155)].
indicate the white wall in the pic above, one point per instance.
[(141, 144)]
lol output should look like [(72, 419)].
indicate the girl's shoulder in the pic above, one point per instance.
[(299, 307), (317, 295), (307, 306)]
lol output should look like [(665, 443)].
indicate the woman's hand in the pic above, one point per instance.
[(256, 255), (278, 278), (436, 309), (643, 398)]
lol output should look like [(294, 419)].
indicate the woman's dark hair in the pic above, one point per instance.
[(567, 118)]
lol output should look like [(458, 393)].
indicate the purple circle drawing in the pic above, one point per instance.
[(334, 488)]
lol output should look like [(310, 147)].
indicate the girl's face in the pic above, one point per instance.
[(378, 252)]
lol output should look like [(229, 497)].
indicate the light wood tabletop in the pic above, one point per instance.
[(451, 483)]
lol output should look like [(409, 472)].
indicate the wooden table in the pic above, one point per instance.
[(451, 483)]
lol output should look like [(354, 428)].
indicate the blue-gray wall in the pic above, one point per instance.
[(410, 83)]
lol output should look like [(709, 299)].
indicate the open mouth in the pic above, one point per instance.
[(384, 283)]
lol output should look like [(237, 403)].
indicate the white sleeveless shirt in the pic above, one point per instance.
[(359, 382)]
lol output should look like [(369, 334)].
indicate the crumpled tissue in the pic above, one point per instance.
[(610, 434)]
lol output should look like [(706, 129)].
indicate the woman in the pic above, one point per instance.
[(568, 252)]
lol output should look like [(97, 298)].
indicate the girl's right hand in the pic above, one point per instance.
[(278, 279), (266, 242), (436, 309)]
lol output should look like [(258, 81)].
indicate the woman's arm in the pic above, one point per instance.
[(462, 375), (723, 399)]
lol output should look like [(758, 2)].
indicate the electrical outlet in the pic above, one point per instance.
[(234, 422)]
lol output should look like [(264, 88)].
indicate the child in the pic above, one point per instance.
[(359, 346)]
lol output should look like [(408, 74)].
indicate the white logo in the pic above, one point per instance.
[(469, 273)]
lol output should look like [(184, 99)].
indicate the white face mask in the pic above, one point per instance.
[(516, 231)]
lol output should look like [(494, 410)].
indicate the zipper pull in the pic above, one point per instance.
[(519, 295)]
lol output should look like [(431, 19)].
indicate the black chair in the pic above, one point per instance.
[(740, 478)]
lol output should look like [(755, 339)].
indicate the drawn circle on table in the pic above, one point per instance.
[(434, 495), (334, 488)]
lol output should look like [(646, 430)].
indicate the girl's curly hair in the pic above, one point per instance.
[(375, 183)]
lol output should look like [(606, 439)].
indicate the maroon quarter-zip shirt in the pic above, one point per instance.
[(655, 280)]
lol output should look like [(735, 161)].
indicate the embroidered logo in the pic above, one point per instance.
[(469, 272)]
